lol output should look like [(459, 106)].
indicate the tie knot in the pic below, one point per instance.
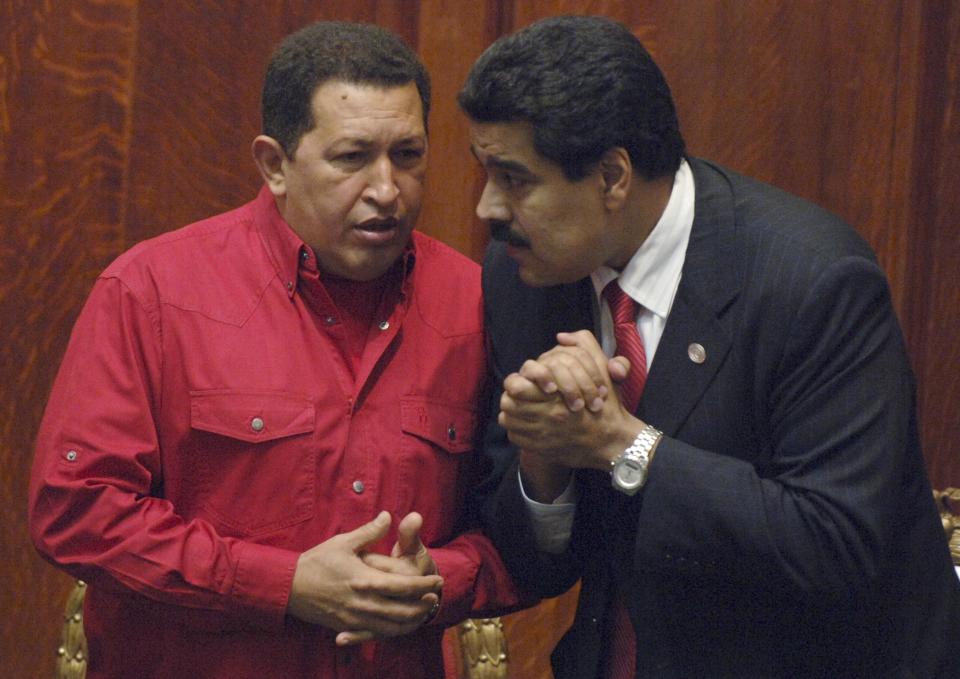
[(622, 307)]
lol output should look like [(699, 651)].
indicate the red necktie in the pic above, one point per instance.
[(623, 643), (629, 343)]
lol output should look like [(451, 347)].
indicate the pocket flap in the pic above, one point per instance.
[(251, 416), (448, 426)]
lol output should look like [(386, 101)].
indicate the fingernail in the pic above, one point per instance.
[(577, 405), (602, 390), (550, 388), (596, 405)]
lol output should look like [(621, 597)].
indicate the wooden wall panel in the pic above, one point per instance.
[(453, 176), (933, 328), (65, 93), (121, 119)]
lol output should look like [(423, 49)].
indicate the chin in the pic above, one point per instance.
[(541, 278)]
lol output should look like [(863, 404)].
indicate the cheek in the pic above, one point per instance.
[(411, 190)]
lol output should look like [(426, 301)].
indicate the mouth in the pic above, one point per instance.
[(378, 230), (501, 231)]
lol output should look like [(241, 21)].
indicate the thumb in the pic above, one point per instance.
[(369, 533), (618, 367), (408, 536)]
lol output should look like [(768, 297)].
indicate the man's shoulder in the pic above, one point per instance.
[(447, 288), (438, 262), (191, 267), (169, 247), (765, 215)]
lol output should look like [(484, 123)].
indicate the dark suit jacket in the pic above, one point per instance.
[(787, 528)]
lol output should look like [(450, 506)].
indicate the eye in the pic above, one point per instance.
[(351, 157), (510, 180), (408, 156)]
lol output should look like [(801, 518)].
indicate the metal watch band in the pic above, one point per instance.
[(628, 472)]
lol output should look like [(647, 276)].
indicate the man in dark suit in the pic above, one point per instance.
[(763, 511)]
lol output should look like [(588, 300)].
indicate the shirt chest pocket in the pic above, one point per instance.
[(438, 450), (255, 457)]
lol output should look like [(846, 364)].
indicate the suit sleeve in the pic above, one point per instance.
[(94, 508), (812, 513), (499, 498)]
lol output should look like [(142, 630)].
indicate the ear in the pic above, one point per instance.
[(616, 170), (270, 159)]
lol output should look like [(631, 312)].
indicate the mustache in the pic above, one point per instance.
[(500, 230)]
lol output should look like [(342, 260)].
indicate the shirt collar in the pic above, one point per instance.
[(287, 250), (652, 275)]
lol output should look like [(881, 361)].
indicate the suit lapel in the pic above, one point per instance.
[(678, 378)]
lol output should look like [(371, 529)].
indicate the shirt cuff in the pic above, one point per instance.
[(459, 574), (263, 580), (552, 523)]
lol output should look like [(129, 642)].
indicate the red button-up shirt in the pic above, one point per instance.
[(205, 429)]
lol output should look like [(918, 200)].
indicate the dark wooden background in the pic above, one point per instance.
[(121, 119)]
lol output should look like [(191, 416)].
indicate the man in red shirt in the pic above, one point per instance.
[(259, 443)]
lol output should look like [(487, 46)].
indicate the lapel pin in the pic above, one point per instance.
[(697, 353)]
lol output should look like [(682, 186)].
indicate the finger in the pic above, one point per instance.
[(539, 374), (391, 564), (353, 638), (385, 628), (581, 338), (618, 367), (519, 387), (376, 582), (369, 533), (529, 412), (383, 615), (578, 377), (408, 536)]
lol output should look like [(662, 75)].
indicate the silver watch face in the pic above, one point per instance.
[(629, 475)]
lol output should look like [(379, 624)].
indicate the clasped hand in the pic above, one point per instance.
[(363, 595), (563, 408)]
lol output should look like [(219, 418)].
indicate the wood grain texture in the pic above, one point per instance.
[(120, 120), (452, 36), (933, 329), (65, 91)]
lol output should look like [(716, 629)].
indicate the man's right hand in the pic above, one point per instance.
[(333, 587)]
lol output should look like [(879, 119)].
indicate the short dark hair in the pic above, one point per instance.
[(361, 54), (586, 84)]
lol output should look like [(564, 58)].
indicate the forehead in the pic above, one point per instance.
[(508, 145), (343, 108), (502, 140)]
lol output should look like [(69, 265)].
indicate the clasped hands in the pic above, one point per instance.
[(364, 595), (563, 412)]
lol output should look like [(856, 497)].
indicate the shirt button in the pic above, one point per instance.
[(256, 424), (330, 320), (384, 325), (71, 455), (358, 487), (452, 432)]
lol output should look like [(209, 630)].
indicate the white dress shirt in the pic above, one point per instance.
[(651, 278)]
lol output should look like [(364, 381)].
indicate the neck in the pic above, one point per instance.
[(648, 199)]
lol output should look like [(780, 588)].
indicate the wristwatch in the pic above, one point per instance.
[(628, 471)]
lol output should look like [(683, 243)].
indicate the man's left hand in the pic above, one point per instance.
[(543, 424), (409, 556)]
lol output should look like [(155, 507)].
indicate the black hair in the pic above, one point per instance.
[(361, 54), (586, 84)]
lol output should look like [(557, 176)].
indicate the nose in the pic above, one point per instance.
[(382, 187), (492, 205)]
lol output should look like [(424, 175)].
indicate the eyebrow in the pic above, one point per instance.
[(503, 164), (368, 143)]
